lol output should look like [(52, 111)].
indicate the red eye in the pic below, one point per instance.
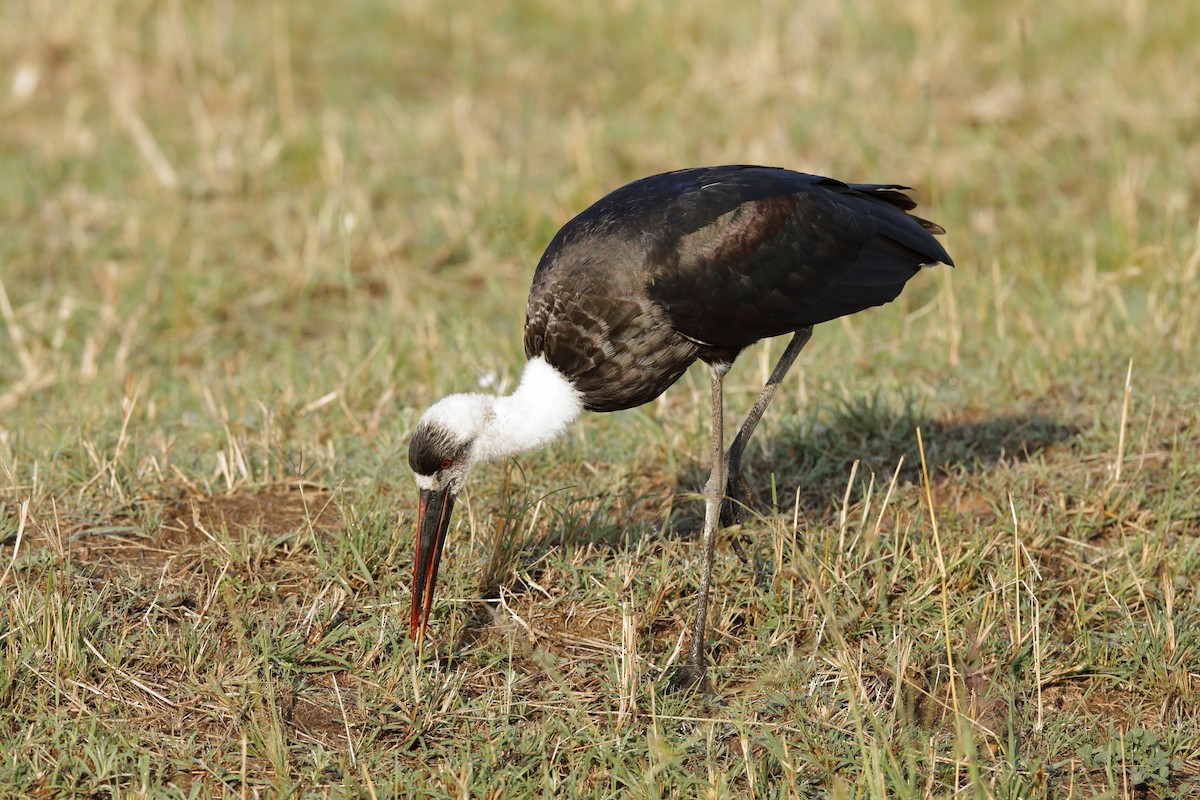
[(446, 463)]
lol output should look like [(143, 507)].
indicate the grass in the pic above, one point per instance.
[(242, 246)]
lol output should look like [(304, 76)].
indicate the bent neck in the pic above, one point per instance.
[(537, 413)]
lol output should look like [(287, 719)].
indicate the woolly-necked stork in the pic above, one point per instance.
[(693, 264)]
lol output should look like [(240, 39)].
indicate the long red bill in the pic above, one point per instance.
[(433, 520)]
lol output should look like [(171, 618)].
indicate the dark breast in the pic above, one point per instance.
[(590, 317), (704, 262)]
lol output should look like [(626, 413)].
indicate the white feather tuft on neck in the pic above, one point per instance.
[(537, 413)]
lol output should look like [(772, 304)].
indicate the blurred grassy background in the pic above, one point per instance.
[(243, 245)]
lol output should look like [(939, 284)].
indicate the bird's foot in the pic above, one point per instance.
[(737, 502), (688, 677), (738, 541)]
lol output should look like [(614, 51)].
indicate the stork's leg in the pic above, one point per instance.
[(691, 672), (736, 495)]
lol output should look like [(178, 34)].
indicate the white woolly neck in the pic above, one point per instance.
[(534, 415), (537, 413)]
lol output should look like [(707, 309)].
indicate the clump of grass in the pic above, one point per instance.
[(1139, 756)]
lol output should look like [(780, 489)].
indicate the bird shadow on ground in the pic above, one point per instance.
[(814, 458)]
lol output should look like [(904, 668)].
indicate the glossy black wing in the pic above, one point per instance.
[(759, 252)]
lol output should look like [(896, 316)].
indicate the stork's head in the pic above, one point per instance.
[(442, 451), (459, 431)]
